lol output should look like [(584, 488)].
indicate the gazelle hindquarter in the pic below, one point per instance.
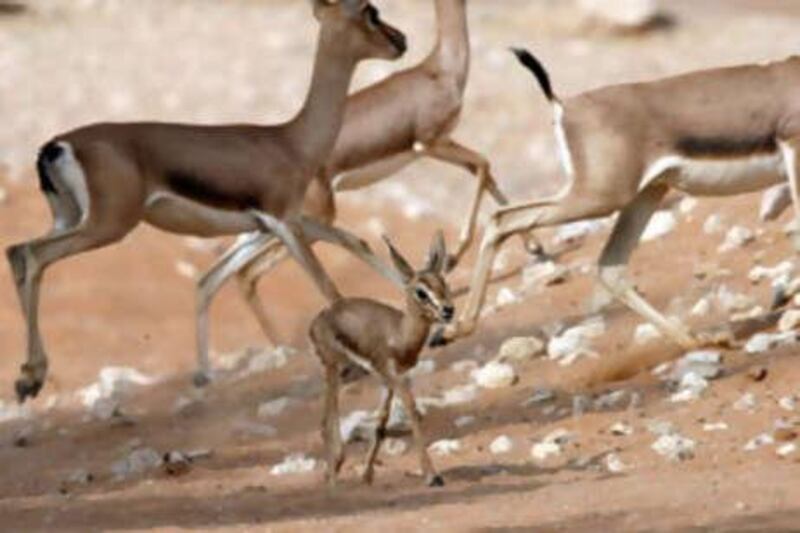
[(103, 180), (711, 133), (385, 342)]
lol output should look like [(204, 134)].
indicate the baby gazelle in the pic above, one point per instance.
[(386, 342)]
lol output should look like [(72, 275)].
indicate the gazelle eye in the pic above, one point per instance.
[(422, 296), (371, 12)]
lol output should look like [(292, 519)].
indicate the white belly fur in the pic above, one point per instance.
[(176, 214), (718, 177)]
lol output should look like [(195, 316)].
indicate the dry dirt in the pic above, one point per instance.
[(65, 63)]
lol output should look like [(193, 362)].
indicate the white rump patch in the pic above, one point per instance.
[(564, 153), (717, 177), (70, 173)]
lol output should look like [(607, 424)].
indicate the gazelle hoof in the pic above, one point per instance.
[(201, 379), (436, 481), (27, 387)]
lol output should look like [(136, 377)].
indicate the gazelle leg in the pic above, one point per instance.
[(403, 390), (331, 435), (454, 153), (317, 231), (28, 263), (790, 148), (374, 172), (248, 277), (379, 436), (296, 241), (239, 255), (613, 262)]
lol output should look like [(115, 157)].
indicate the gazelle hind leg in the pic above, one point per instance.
[(789, 149), (334, 452), (379, 436), (403, 390), (613, 263), (239, 255)]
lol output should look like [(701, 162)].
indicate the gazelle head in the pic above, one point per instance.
[(427, 289), (359, 28)]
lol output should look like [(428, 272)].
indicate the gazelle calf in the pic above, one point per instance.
[(103, 180), (385, 342), (387, 126), (710, 133)]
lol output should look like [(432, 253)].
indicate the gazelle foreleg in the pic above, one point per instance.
[(449, 151), (630, 225), (379, 436)]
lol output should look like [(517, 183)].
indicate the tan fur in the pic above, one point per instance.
[(386, 342), (716, 132), (203, 180)]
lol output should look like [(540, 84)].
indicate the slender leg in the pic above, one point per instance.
[(248, 278), (28, 263), (454, 153), (373, 173), (402, 389), (294, 239), (380, 435), (790, 148), (317, 231), (239, 255), (630, 225), (775, 201), (330, 425)]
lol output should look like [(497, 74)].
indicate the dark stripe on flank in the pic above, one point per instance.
[(721, 147), (204, 192), (47, 155)]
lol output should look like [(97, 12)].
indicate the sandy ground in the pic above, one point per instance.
[(67, 63)]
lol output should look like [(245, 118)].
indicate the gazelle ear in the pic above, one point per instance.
[(400, 263), (437, 257)]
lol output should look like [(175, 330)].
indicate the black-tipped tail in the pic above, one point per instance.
[(535, 66), (47, 155)]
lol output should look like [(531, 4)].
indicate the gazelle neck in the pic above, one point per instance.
[(416, 326), (451, 52), (315, 128)]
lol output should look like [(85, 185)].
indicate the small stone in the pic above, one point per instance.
[(611, 400), (542, 451), (790, 321), (445, 447), (737, 237), (621, 429), (357, 426), (715, 426), (674, 447), (614, 464), (764, 342), (713, 224), (80, 476), (646, 333), (765, 439), (660, 427), (273, 408), (506, 297), (424, 367), (732, 302), (661, 224), (578, 231), (687, 205), (788, 403), (137, 462), (465, 365), (464, 421), (575, 339), (787, 449), (501, 445), (691, 387), (760, 273), (495, 375), (747, 402), (758, 373), (545, 274), (460, 395), (521, 349), (297, 463), (704, 363)]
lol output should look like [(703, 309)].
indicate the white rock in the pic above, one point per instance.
[(691, 387), (715, 426), (790, 321), (358, 425), (614, 464), (713, 224), (254, 429), (674, 447), (764, 342), (501, 445), (542, 451), (575, 339), (265, 360), (774, 201), (395, 447), (747, 402), (761, 273), (296, 463), (733, 302), (737, 237), (136, 462), (765, 439), (273, 408), (785, 450), (445, 447), (464, 421), (623, 13), (621, 429), (102, 397), (702, 307), (611, 400), (424, 367), (465, 365), (660, 427), (544, 274), (663, 223), (186, 269), (578, 231), (646, 333), (506, 297), (687, 205), (521, 349), (559, 436), (495, 375), (788, 403), (460, 395), (704, 363)]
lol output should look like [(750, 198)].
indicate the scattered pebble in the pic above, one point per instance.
[(501, 445), (702, 307), (545, 274), (506, 296), (747, 402), (577, 231), (614, 464), (542, 451), (395, 447), (737, 237), (661, 224), (445, 447), (136, 462), (646, 333), (761, 273), (521, 349), (764, 342), (273, 408), (624, 14), (765, 439), (103, 397), (713, 224), (357, 426), (715, 426), (788, 403), (790, 321), (660, 427), (296, 463), (785, 450), (495, 375), (464, 421), (621, 429), (674, 447), (690, 388), (460, 395), (575, 339), (424, 367), (704, 363), (610, 400)]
